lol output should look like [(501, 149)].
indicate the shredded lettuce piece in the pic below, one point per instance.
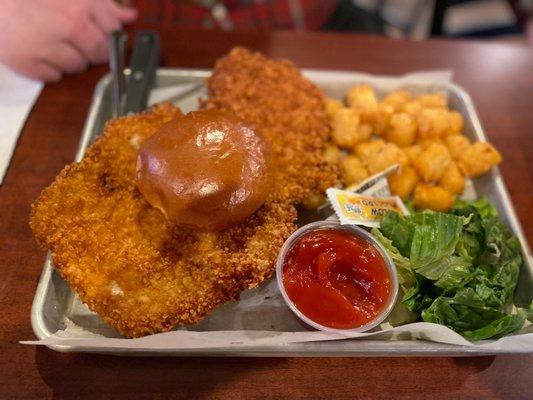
[(509, 323), (399, 230), (406, 277), (467, 315), (435, 237), (482, 205), (527, 312)]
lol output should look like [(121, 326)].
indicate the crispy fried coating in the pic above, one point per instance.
[(290, 113), (140, 273)]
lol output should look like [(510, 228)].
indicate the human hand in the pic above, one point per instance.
[(43, 39)]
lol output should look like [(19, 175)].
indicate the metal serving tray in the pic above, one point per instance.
[(55, 304)]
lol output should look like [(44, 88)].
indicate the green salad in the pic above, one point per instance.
[(458, 269)]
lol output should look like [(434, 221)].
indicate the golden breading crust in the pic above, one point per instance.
[(289, 111), (127, 262)]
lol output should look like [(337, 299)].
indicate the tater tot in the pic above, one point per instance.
[(428, 197), (432, 123), (432, 162), (364, 150), (389, 154), (433, 100), (404, 181), (402, 129), (426, 142), (455, 123), (363, 99), (354, 170), (332, 106), (398, 98), (478, 159), (345, 128), (412, 107), (332, 154), (314, 200), (382, 117), (452, 179), (365, 132), (457, 144), (412, 152)]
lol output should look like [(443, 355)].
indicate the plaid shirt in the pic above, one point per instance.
[(237, 14)]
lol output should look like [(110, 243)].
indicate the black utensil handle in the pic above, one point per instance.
[(144, 62), (117, 55)]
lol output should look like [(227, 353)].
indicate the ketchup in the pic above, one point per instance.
[(336, 279)]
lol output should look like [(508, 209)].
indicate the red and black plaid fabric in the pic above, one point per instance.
[(242, 14)]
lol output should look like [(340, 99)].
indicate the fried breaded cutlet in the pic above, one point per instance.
[(287, 108), (127, 262)]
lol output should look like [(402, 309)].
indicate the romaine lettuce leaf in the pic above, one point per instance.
[(507, 324), (527, 312), (458, 269), (434, 238), (472, 238), (463, 312), (503, 254), (406, 275), (482, 205), (457, 272), (399, 230), (419, 296)]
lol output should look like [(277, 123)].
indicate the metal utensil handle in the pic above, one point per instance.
[(117, 55), (144, 62)]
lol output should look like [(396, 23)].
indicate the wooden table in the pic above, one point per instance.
[(500, 80)]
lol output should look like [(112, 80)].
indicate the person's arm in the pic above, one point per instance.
[(44, 39)]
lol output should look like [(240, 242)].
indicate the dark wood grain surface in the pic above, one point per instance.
[(500, 81)]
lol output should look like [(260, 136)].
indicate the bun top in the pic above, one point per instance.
[(206, 170)]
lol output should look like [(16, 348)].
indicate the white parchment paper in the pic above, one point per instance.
[(183, 340), (261, 318)]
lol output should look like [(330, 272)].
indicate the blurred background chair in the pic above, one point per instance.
[(478, 18), (417, 19)]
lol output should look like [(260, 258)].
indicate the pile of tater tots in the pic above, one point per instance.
[(419, 133)]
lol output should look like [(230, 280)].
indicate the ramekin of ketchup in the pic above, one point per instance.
[(337, 277)]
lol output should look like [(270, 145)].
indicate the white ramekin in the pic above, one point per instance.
[(354, 230)]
